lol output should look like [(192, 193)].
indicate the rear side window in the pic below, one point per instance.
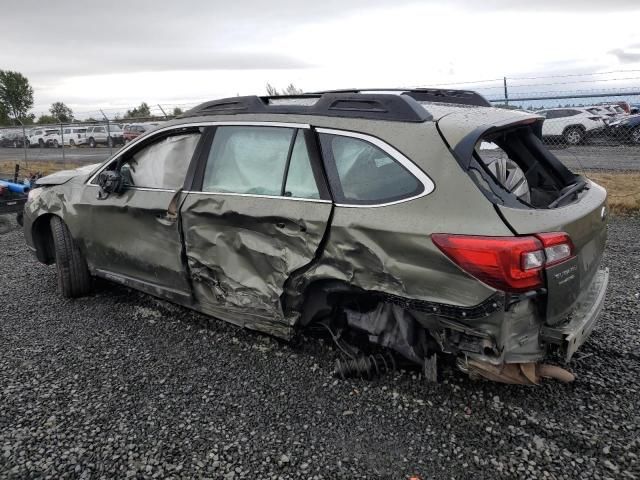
[(362, 173), (260, 161), (162, 164)]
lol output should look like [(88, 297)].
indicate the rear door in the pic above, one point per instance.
[(257, 212)]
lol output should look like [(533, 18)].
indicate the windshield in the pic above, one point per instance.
[(114, 128)]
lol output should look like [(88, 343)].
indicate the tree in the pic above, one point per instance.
[(60, 111), (271, 90), (177, 111), (291, 89), (16, 95), (4, 116), (47, 119), (138, 112)]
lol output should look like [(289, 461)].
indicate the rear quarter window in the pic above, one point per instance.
[(361, 173)]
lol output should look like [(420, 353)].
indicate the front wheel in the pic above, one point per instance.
[(74, 279), (56, 144), (92, 143), (72, 143), (635, 136), (573, 136)]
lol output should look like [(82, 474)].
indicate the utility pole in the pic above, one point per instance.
[(24, 142), (109, 139), (506, 92), (62, 140), (163, 112)]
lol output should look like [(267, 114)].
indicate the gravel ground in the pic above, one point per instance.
[(123, 385)]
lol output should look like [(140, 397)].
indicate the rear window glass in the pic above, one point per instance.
[(362, 173)]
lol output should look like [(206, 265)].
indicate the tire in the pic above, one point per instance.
[(72, 143), (92, 143), (41, 143), (28, 143), (573, 135), (74, 279), (634, 136), (56, 144)]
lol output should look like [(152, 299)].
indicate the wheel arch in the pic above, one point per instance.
[(43, 239), (578, 126)]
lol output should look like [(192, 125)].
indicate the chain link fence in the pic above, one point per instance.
[(595, 131)]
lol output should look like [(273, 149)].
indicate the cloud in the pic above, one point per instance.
[(624, 56)]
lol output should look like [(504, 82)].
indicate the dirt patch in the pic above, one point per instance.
[(623, 189), (44, 167)]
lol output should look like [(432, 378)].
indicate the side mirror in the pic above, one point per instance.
[(109, 181)]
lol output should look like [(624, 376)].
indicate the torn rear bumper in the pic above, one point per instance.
[(574, 332)]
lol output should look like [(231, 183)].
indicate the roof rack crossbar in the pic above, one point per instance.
[(463, 97)]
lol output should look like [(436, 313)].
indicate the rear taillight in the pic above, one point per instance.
[(558, 247), (511, 264)]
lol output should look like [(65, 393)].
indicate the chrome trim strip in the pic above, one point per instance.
[(196, 124), (143, 189), (279, 197), (422, 177)]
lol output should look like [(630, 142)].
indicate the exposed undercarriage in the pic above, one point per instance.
[(377, 333)]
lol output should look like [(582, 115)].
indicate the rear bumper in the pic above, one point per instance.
[(573, 333)]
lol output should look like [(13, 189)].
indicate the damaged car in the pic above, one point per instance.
[(422, 223)]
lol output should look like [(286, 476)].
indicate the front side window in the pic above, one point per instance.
[(99, 130), (162, 164), (362, 173), (256, 160)]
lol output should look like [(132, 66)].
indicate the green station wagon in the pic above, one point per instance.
[(423, 221)]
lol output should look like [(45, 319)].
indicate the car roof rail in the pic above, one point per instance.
[(349, 104), (435, 95)]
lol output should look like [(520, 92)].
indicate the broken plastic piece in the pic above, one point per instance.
[(518, 373)]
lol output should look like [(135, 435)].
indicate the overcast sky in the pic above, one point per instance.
[(114, 54)]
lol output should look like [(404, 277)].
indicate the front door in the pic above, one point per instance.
[(256, 214), (132, 237)]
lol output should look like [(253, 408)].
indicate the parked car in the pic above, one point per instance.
[(36, 136), (135, 130), (51, 139), (377, 216), (104, 135), (72, 136), (12, 140), (69, 136), (626, 129), (573, 125)]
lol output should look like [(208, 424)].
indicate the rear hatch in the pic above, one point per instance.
[(533, 192)]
